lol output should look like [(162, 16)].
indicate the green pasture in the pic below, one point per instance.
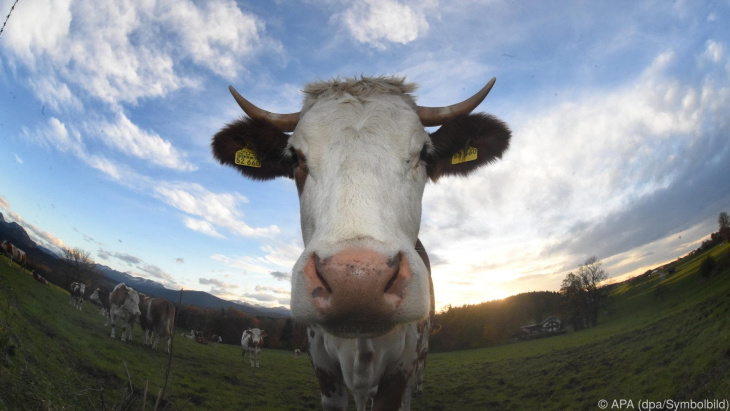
[(55, 357)]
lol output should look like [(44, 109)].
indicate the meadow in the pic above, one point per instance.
[(644, 348)]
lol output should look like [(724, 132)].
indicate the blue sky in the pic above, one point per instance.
[(620, 114)]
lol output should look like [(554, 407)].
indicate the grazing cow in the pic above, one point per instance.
[(124, 304), (14, 253), (251, 341), (215, 339), (360, 157), (101, 297), (77, 294), (158, 317), (39, 278)]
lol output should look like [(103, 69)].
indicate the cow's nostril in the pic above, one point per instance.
[(317, 268), (391, 281)]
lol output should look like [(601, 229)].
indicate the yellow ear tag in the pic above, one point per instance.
[(459, 157), (247, 157)]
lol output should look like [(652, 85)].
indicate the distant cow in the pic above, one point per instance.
[(77, 294), (297, 352), (101, 297), (14, 253), (158, 315), (215, 339), (124, 303), (191, 335), (39, 278), (251, 342)]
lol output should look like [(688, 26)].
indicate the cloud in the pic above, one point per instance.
[(599, 173), (180, 261), (127, 137), (104, 255), (281, 276), (157, 272), (378, 22), (213, 209), (18, 159), (120, 52), (39, 236), (127, 258), (220, 288)]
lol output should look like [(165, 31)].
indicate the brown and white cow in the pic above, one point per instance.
[(39, 278), (124, 303), (14, 253), (158, 321), (77, 294), (360, 157), (251, 342)]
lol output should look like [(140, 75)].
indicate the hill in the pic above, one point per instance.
[(675, 347)]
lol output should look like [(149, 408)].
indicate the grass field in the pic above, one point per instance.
[(55, 357)]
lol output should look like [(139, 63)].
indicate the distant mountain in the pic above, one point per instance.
[(190, 297), (16, 234)]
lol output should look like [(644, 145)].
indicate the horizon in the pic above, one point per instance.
[(620, 116)]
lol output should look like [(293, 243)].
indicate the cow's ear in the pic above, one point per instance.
[(466, 143), (256, 148), (263, 334)]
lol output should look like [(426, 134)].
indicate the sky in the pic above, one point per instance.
[(620, 113)]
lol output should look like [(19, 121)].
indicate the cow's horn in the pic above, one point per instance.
[(436, 116), (284, 122)]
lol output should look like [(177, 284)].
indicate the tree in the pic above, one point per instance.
[(724, 221), (591, 275), (78, 267), (583, 294)]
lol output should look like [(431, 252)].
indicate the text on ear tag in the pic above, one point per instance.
[(460, 157), (247, 157)]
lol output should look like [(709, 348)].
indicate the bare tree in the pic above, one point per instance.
[(591, 275), (79, 267), (583, 294), (724, 221)]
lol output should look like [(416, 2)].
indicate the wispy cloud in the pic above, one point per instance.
[(381, 22)]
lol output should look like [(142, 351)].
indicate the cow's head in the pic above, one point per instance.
[(256, 336), (360, 158), (126, 298)]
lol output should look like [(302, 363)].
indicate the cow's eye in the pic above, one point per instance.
[(298, 159), (424, 153)]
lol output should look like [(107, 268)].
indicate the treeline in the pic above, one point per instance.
[(494, 322), (229, 323)]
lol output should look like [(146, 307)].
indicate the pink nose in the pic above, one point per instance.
[(358, 289)]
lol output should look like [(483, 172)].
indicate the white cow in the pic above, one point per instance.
[(124, 303), (251, 341), (360, 157)]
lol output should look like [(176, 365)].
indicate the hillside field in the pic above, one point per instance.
[(55, 357)]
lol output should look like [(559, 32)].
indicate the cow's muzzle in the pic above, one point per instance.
[(357, 292)]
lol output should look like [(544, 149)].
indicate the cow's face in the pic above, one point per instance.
[(95, 296), (255, 336), (360, 157), (131, 303)]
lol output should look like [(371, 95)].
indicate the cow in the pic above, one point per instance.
[(251, 342), (144, 323), (360, 157), (158, 317), (124, 304), (101, 297), (297, 352), (191, 335), (77, 294), (216, 339), (39, 278), (14, 253)]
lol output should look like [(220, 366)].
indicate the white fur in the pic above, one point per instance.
[(364, 188)]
